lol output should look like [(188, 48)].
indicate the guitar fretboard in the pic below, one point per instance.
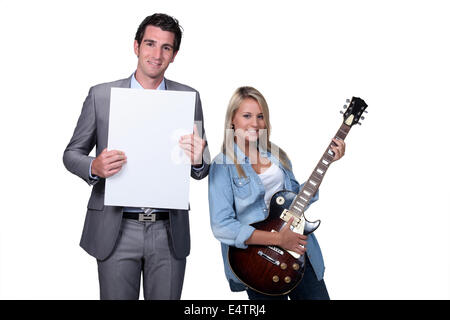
[(311, 186)]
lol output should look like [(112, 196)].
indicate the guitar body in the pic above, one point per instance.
[(268, 269)]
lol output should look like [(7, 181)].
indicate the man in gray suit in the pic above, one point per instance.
[(128, 242)]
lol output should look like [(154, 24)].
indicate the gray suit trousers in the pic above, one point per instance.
[(142, 248)]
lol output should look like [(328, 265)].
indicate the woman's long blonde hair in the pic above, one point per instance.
[(266, 145)]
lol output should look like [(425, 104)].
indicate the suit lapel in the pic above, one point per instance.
[(169, 84), (126, 83)]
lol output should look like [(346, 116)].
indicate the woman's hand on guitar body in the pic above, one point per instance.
[(289, 240)]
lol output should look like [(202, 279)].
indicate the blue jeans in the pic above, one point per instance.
[(308, 289)]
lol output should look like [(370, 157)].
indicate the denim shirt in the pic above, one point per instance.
[(236, 202)]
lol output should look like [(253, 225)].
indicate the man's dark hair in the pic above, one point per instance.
[(165, 23)]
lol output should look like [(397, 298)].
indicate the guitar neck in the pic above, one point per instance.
[(311, 186)]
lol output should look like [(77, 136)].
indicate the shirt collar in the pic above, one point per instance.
[(136, 85), (241, 157)]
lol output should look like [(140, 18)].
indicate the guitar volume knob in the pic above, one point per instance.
[(280, 200)]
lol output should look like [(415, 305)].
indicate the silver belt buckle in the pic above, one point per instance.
[(144, 217)]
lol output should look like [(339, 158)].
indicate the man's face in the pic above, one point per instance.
[(155, 53)]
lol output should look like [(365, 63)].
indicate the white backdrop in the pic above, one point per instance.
[(384, 207)]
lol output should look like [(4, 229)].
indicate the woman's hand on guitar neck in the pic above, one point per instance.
[(338, 147)]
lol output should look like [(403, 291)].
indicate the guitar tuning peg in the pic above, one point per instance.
[(347, 101), (359, 123), (341, 112), (362, 118), (345, 106), (366, 111)]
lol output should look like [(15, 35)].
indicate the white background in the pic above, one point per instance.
[(384, 207)]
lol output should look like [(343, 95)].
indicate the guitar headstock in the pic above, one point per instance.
[(354, 110)]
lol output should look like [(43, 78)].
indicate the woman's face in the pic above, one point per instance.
[(249, 121)]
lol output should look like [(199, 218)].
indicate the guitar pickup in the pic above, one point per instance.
[(286, 215)]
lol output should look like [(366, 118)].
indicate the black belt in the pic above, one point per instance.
[(152, 217)]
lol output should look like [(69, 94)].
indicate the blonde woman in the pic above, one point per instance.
[(242, 180)]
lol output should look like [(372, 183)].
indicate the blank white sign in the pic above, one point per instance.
[(146, 125)]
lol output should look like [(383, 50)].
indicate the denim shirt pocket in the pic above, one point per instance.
[(241, 187)]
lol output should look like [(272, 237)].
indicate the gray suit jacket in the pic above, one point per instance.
[(102, 223)]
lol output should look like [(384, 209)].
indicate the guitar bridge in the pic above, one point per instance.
[(277, 250), (268, 258)]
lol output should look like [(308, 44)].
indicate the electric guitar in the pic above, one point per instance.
[(273, 270)]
